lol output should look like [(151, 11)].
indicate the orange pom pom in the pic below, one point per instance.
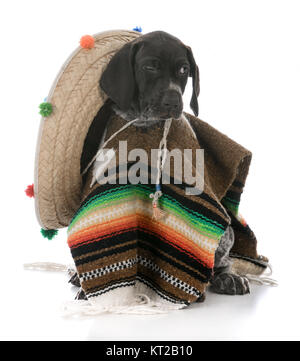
[(87, 42)]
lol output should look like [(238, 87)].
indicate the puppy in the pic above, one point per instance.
[(146, 80), (147, 77)]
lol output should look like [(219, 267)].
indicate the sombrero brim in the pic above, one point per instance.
[(76, 98)]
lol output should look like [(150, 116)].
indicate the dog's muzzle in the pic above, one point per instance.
[(171, 104)]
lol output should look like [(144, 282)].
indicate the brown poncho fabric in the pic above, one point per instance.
[(124, 257)]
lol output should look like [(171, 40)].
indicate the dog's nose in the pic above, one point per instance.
[(171, 100)]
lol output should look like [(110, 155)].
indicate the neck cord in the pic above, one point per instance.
[(161, 159)]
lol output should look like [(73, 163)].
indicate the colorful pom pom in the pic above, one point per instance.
[(137, 28), (45, 109), (242, 220), (49, 233), (87, 42), (29, 191)]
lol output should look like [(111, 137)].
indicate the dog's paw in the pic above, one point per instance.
[(230, 284)]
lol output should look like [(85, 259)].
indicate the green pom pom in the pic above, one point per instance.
[(49, 233), (45, 109)]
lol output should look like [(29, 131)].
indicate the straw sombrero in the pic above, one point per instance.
[(73, 101)]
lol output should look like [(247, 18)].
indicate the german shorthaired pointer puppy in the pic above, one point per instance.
[(146, 79)]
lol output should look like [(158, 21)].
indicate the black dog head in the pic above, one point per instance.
[(147, 77)]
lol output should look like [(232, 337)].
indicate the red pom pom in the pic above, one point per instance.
[(29, 191), (87, 42)]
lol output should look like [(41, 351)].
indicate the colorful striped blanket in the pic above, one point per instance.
[(124, 257)]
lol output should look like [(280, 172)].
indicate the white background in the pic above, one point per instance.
[(249, 59)]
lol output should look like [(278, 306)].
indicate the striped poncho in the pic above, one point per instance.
[(127, 259)]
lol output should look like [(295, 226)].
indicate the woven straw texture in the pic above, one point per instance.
[(76, 98)]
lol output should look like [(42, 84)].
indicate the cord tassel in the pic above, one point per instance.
[(157, 213)]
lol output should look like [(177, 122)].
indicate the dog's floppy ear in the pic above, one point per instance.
[(118, 80), (194, 73)]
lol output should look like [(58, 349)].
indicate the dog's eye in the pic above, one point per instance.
[(150, 68), (183, 70)]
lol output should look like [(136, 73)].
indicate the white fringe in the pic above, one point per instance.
[(136, 299), (263, 279), (49, 267), (141, 305)]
